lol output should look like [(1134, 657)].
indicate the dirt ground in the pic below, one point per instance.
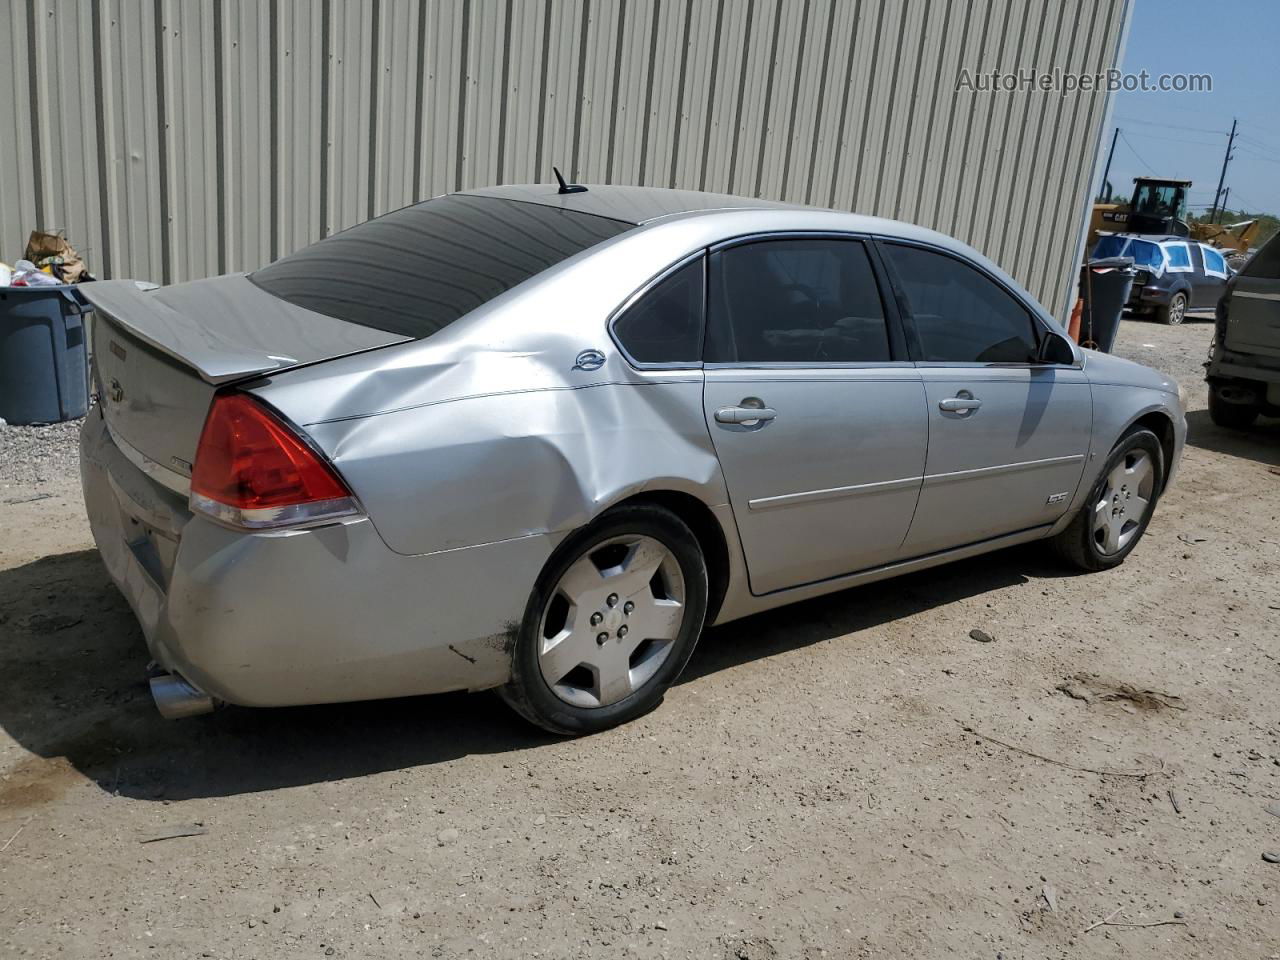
[(819, 784)]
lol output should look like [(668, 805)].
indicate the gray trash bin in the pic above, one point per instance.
[(1105, 286), (44, 365)]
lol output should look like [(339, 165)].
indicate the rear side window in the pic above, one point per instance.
[(1108, 247), (795, 301), (959, 314), (416, 270), (665, 324), (1146, 254)]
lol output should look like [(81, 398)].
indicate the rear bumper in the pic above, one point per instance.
[(1243, 367), (1147, 297), (307, 616)]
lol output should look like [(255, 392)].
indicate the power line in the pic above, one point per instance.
[(1258, 156), (1135, 152), (1152, 136), (1250, 206), (1257, 142), (1174, 126), (1253, 121)]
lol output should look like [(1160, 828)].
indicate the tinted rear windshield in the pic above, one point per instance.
[(416, 270)]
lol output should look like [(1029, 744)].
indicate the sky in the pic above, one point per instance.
[(1184, 135)]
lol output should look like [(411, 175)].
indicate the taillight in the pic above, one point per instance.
[(253, 470)]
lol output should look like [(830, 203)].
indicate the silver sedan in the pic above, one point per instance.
[(537, 438)]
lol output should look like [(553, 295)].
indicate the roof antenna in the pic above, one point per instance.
[(567, 187)]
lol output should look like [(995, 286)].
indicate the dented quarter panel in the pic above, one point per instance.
[(490, 468)]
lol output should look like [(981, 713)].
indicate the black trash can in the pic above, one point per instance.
[(44, 363), (1104, 286)]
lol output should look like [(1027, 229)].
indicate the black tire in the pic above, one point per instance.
[(1232, 416), (1175, 310), (1077, 543), (529, 694)]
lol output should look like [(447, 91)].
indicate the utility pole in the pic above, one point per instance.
[(1231, 139), (1225, 194), (1106, 173)]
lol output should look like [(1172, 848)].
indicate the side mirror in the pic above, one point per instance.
[(1055, 348)]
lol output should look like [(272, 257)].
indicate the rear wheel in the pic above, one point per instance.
[(1115, 516), (1175, 310), (1233, 416), (611, 622)]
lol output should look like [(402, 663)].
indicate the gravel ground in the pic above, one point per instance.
[(31, 456), (854, 776)]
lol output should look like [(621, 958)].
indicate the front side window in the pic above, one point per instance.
[(960, 315), (665, 324), (1214, 264), (797, 301)]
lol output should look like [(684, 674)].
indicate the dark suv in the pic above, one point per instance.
[(1174, 274)]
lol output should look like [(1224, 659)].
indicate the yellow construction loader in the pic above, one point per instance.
[(1233, 239)]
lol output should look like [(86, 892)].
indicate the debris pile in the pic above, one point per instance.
[(49, 260)]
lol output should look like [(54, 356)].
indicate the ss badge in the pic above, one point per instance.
[(1057, 497)]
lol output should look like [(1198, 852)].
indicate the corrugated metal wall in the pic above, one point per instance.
[(175, 139)]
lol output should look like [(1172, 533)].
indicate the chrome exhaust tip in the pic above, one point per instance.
[(175, 698)]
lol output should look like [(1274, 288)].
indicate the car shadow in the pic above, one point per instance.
[(1198, 315), (1260, 442), (861, 608), (72, 689)]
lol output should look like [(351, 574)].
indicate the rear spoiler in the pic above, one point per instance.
[(227, 328)]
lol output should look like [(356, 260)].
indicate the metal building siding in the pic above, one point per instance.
[(174, 140), (300, 58)]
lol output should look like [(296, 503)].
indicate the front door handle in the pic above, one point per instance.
[(963, 403), (745, 414)]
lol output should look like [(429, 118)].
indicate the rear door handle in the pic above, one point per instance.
[(962, 404), (745, 414)]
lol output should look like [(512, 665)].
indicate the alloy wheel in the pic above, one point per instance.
[(611, 621), (1177, 308), (1125, 500)]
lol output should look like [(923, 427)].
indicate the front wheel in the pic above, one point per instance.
[(611, 622), (1115, 516)]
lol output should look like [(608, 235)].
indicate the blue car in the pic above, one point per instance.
[(1174, 274)]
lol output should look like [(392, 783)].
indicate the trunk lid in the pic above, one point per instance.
[(160, 352)]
